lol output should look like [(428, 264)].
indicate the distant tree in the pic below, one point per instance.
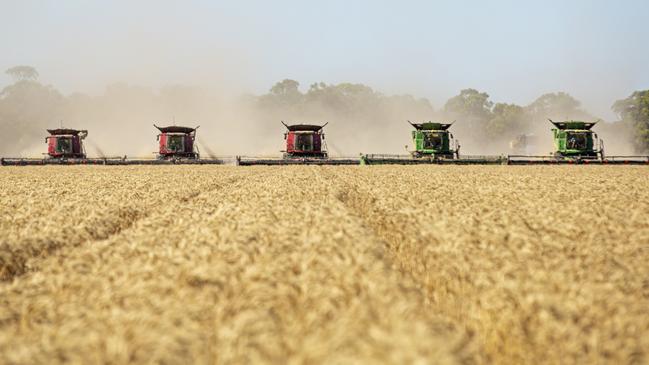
[(26, 109), (556, 105), (635, 110), (508, 120), (345, 97), (470, 103), (22, 73), (283, 94), (354, 90), (285, 87)]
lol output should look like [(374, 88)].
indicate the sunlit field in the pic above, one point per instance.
[(309, 264)]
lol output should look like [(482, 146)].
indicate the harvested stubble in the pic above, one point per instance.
[(217, 264)]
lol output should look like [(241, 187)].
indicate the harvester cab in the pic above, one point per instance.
[(66, 143), (434, 140), (305, 141), (177, 142), (575, 139)]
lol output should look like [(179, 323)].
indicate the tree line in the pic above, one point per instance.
[(475, 110)]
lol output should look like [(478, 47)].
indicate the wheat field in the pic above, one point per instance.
[(312, 265)]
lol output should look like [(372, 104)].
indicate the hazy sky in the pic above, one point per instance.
[(515, 50)]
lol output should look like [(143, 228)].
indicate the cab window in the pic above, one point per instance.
[(432, 141), (175, 143), (576, 141), (304, 142), (64, 145)]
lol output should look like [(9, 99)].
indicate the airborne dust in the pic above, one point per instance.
[(360, 120)]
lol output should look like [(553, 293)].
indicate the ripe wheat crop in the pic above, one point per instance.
[(308, 264)]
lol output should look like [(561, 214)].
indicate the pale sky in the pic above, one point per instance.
[(598, 51)]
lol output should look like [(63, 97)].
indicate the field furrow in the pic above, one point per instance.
[(246, 273), (43, 215), (542, 269), (311, 264)]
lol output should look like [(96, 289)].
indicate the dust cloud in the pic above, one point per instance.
[(360, 120)]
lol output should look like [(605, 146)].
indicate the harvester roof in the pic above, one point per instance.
[(304, 127), (175, 129), (573, 124), (430, 126), (65, 131)]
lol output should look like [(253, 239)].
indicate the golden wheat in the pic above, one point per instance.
[(437, 264)]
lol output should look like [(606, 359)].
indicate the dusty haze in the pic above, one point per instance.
[(120, 122)]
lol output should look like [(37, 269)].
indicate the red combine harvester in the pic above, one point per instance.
[(177, 143), (64, 147), (66, 143), (304, 141), (305, 145)]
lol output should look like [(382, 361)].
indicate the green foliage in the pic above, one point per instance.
[(345, 100), (497, 122), (285, 88), (508, 120), (635, 111), (558, 105), (470, 104), (23, 73), (285, 93)]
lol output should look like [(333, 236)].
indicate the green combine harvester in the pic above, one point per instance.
[(576, 143), (433, 144), (433, 140), (575, 139)]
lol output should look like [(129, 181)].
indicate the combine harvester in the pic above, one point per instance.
[(64, 146), (576, 143), (305, 145), (434, 144), (176, 145)]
